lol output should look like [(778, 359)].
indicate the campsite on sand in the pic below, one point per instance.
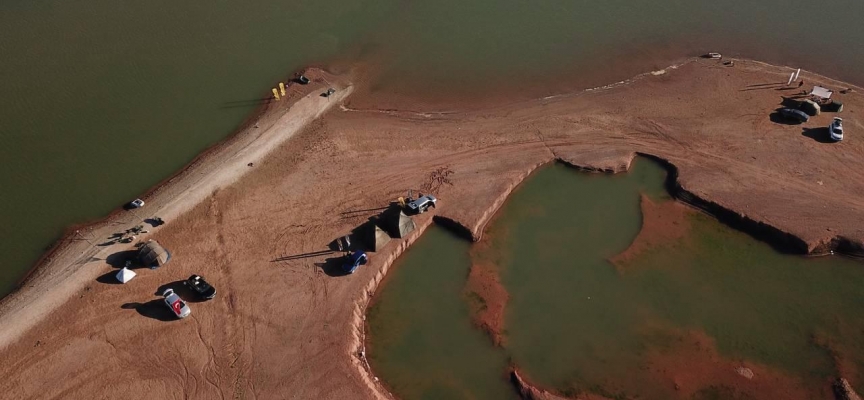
[(261, 215)]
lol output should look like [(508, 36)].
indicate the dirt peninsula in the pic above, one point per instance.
[(284, 327)]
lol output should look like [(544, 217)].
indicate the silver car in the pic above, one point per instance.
[(422, 204), (176, 304), (836, 129)]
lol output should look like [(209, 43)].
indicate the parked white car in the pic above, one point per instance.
[(176, 304), (836, 129), (422, 204)]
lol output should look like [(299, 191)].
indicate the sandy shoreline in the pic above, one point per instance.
[(218, 166), (289, 319)]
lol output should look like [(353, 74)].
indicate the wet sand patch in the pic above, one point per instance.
[(663, 222), (691, 368), (486, 296), (679, 363), (845, 354)]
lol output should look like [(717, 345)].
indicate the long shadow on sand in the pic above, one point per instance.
[(110, 278), (764, 86), (155, 309), (303, 255), (118, 259), (245, 103), (820, 135)]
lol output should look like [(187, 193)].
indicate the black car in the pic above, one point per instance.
[(794, 115), (201, 287)]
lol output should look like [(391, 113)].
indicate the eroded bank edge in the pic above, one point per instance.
[(776, 237)]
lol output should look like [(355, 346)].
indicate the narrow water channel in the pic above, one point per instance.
[(692, 309), (422, 342)]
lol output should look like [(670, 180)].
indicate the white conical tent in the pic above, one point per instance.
[(125, 275)]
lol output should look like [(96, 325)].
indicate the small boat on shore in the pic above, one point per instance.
[(713, 56)]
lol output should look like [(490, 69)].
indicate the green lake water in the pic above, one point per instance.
[(100, 100), (576, 323), (422, 344)]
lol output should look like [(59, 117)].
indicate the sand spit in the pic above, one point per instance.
[(486, 296), (69, 265), (284, 325), (662, 222)]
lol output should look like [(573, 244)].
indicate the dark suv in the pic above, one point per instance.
[(201, 287)]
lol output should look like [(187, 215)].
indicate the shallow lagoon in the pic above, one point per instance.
[(694, 312)]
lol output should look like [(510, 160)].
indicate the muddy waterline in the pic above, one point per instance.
[(688, 316)]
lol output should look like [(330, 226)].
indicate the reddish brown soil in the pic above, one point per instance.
[(692, 368), (292, 327), (845, 354), (487, 298), (662, 222), (486, 295)]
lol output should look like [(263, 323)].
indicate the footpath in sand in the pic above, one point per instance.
[(288, 329)]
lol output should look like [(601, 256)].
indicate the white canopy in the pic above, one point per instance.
[(125, 275), (821, 92)]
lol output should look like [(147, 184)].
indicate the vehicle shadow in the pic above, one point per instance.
[(778, 118), (185, 292), (332, 266), (155, 309), (820, 135)]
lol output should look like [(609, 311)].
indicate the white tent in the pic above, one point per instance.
[(125, 275)]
